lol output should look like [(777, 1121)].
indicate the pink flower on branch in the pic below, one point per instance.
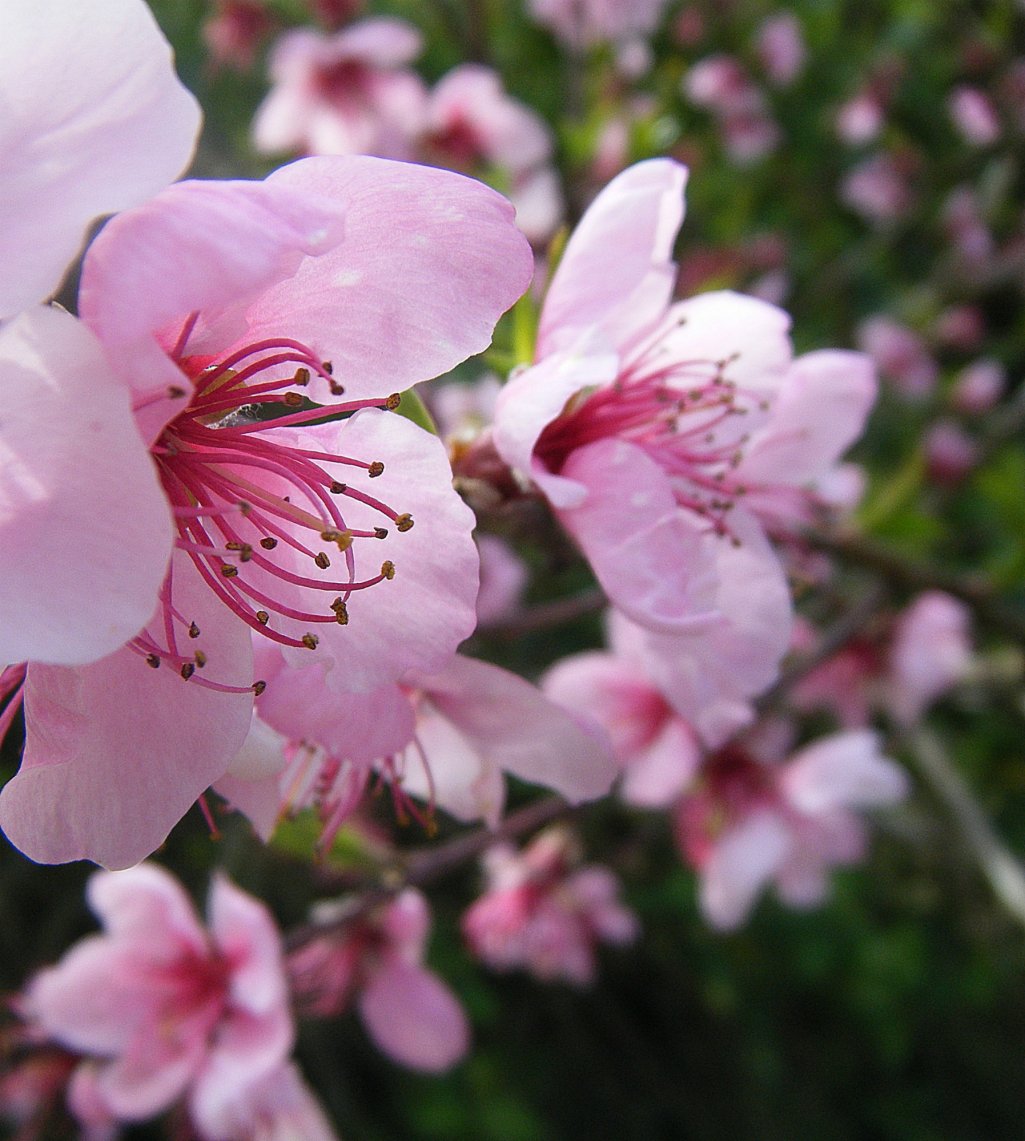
[(216, 305), (163, 1008)]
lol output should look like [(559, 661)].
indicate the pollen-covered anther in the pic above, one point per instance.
[(341, 612), (322, 560), (259, 687), (245, 551), (262, 617), (229, 570), (404, 522), (388, 569), (380, 532), (302, 377), (187, 670), (337, 389), (375, 469), (193, 630), (200, 659), (153, 661), (310, 641), (393, 401), (337, 488), (268, 544), (341, 539)]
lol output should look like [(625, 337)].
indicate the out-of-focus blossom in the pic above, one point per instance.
[(541, 913), (642, 418), (688, 26), (212, 300), (931, 651), (722, 84), (446, 738), (755, 820), (950, 453), (161, 1008), (780, 46), (374, 959), (900, 354), (118, 127), (503, 576), (278, 1107), (657, 748), (581, 23), (236, 31), (471, 124), (979, 387), (860, 119), (344, 94), (332, 14), (966, 227), (961, 327), (878, 189), (974, 116)]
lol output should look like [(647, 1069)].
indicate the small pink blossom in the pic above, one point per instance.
[(974, 116), (374, 959), (503, 577), (780, 46), (344, 94), (931, 651), (278, 1107), (235, 32), (860, 119), (950, 453), (979, 387), (901, 355), (966, 225), (580, 23), (212, 300), (166, 1008), (752, 821), (541, 913), (878, 189)]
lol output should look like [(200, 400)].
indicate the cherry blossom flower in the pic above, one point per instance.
[(580, 23), (930, 652), (235, 32), (979, 387), (216, 304), (344, 94), (541, 913), (446, 738), (278, 1107), (780, 46), (118, 127), (647, 423), (974, 116), (752, 821), (374, 959), (878, 189), (161, 1008), (901, 355)]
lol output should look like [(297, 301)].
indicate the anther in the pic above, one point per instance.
[(375, 469), (337, 488), (404, 521), (262, 617), (337, 389), (322, 560), (187, 670), (341, 612), (393, 401), (176, 392), (245, 506), (153, 661), (341, 539), (328, 367), (292, 400), (229, 570), (388, 569), (200, 659), (259, 687), (310, 641), (268, 544), (193, 630), (302, 377), (380, 532)]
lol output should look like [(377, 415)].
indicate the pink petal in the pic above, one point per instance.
[(141, 902), (413, 1017), (617, 271), (844, 769), (647, 554), (247, 936), (819, 412), (662, 770), (744, 860), (116, 752), (116, 128), (429, 262), (520, 731), (85, 531)]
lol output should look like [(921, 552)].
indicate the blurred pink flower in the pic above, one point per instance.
[(860, 119), (235, 32), (344, 94), (966, 225), (503, 577), (722, 84), (974, 116), (541, 913), (979, 387), (752, 821), (950, 453), (165, 1007), (580, 23), (278, 1107), (211, 301), (878, 189), (115, 129), (900, 354), (375, 960), (930, 652), (780, 46)]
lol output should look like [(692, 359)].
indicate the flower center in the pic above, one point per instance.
[(262, 519)]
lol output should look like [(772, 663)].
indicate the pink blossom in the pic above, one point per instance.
[(503, 576), (979, 387), (860, 119), (878, 189), (278, 1107), (210, 301), (115, 129), (446, 738), (580, 23), (974, 116), (647, 423), (344, 94), (375, 960), (541, 913), (166, 1008), (931, 651), (966, 226), (950, 453), (753, 821), (780, 46), (901, 355), (235, 32)]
